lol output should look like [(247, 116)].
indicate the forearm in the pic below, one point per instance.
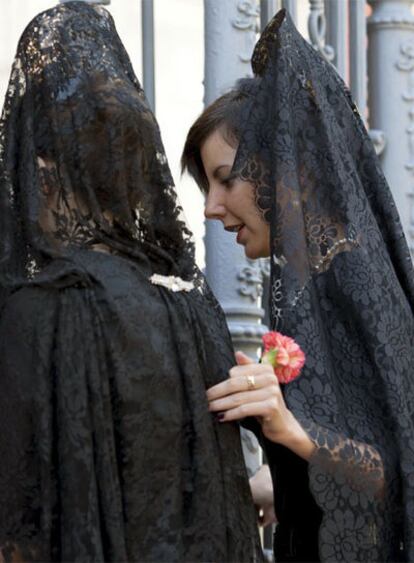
[(296, 439), (360, 462)]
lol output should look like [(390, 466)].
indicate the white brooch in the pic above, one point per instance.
[(173, 283)]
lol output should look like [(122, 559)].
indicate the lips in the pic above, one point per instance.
[(234, 228), (240, 235)]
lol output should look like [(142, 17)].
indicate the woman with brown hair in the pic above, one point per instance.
[(286, 163)]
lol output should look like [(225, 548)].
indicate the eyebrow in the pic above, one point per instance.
[(216, 171)]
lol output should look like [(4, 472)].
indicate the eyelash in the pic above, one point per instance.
[(227, 182)]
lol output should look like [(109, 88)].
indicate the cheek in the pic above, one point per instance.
[(260, 226), (266, 231), (264, 236)]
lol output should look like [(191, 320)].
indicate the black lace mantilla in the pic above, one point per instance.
[(342, 284), (108, 451)]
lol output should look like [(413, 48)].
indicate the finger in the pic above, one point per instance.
[(242, 359), (238, 399), (251, 369), (239, 384), (268, 516), (261, 409)]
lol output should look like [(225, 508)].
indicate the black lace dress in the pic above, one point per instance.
[(108, 451), (342, 284), (109, 335)]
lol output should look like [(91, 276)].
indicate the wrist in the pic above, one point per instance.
[(296, 438)]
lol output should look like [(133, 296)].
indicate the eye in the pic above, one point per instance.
[(228, 182)]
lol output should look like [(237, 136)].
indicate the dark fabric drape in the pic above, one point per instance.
[(108, 451), (342, 285)]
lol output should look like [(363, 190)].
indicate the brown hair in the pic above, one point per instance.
[(225, 113)]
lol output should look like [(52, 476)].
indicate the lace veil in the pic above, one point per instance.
[(342, 284), (108, 450), (81, 158)]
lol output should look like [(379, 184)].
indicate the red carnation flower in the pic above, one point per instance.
[(284, 354)]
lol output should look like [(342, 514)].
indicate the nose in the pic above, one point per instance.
[(215, 205)]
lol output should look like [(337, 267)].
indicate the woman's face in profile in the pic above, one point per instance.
[(232, 200)]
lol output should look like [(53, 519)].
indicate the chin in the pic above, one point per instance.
[(255, 253), (252, 254)]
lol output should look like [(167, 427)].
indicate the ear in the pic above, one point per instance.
[(242, 359)]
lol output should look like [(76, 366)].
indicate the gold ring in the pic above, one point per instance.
[(251, 383)]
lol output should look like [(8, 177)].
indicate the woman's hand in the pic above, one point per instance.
[(253, 390), (262, 492)]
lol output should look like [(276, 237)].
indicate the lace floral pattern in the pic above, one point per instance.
[(93, 157), (111, 453), (342, 284), (108, 450)]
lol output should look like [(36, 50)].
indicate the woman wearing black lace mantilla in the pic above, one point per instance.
[(285, 161), (109, 336)]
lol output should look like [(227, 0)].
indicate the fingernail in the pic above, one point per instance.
[(220, 416)]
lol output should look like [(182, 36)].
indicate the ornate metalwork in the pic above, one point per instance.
[(378, 139), (410, 130), (317, 29), (249, 16), (406, 64), (247, 332), (248, 20), (393, 20), (251, 279), (264, 265)]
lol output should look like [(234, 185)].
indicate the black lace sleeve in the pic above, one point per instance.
[(358, 344), (347, 473), (332, 507)]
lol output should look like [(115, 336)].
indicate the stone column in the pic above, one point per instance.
[(231, 28), (391, 98)]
